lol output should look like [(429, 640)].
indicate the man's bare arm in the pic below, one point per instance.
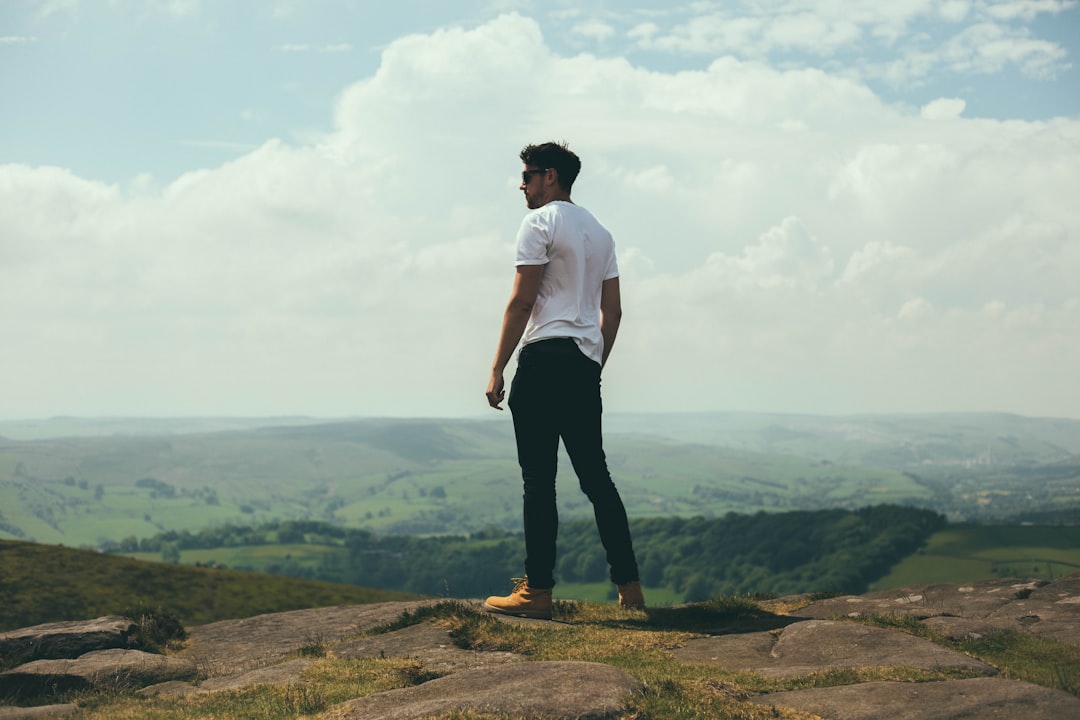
[(610, 314), (515, 318)]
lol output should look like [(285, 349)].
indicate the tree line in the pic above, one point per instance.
[(780, 553)]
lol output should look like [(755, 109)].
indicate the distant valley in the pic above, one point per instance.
[(93, 483)]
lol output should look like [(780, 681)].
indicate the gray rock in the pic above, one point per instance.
[(973, 600), (974, 699), (232, 646), (815, 645), (1045, 608), (551, 690), (958, 628), (1051, 610), (103, 668), (286, 673), (33, 713), (429, 644), (66, 639)]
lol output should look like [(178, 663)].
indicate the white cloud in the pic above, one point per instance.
[(954, 10), (901, 42), (643, 33), (943, 109), (1024, 9), (594, 30), (785, 256), (877, 257), (17, 40), (989, 48), (788, 241)]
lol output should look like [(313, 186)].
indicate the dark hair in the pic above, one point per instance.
[(557, 156)]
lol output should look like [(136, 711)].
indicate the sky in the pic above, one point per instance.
[(309, 208)]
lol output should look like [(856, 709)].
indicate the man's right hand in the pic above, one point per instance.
[(495, 391)]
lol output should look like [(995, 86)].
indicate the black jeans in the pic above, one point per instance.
[(556, 394)]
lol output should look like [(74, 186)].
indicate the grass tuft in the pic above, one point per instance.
[(157, 630)]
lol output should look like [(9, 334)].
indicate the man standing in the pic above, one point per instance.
[(565, 309)]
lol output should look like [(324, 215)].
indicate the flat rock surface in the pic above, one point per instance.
[(973, 600), (66, 639), (426, 642), (1052, 610), (232, 646), (974, 699), (1038, 606), (814, 645), (285, 673), (550, 690)]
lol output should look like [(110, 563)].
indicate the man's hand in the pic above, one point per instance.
[(495, 392), (515, 318)]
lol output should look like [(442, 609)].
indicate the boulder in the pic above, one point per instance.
[(65, 639), (103, 668), (551, 690)]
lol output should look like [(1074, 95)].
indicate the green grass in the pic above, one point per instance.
[(967, 553), (43, 583)]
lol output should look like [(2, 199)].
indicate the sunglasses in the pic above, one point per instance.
[(526, 175)]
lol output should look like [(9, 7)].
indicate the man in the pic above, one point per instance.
[(565, 309)]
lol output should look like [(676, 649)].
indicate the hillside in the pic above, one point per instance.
[(104, 481), (46, 583)]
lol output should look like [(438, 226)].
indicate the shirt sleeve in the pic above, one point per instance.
[(613, 266), (533, 241)]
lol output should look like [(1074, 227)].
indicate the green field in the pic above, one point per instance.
[(135, 479), (966, 553), (278, 559)]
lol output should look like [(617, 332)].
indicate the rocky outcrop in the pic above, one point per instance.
[(114, 669), (817, 637), (66, 639)]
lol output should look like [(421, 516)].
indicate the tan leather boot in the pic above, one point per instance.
[(524, 601), (631, 597)]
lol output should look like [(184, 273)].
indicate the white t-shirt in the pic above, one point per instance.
[(580, 255)]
